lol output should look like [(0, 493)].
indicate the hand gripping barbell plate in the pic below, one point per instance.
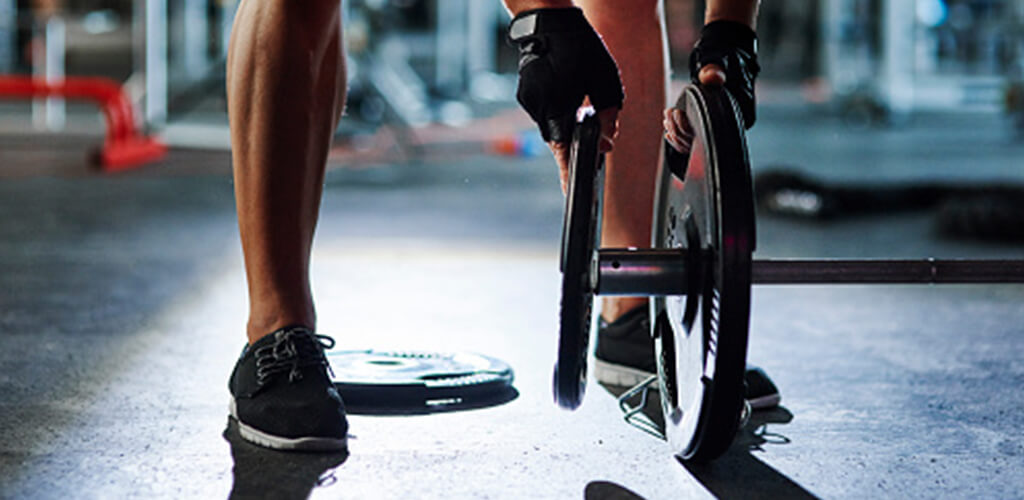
[(705, 205), (581, 237), (385, 382)]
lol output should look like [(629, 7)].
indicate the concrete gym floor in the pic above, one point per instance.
[(122, 308)]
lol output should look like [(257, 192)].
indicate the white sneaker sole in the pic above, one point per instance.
[(258, 437), (765, 402), (619, 375), (624, 376)]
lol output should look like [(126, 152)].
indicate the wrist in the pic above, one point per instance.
[(529, 23), (737, 11), (517, 7), (723, 33)]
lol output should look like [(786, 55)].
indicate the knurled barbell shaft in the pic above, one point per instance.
[(907, 271), (628, 272)]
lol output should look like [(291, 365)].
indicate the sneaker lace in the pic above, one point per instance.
[(292, 350)]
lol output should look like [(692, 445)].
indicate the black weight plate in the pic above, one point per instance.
[(382, 382), (581, 237), (701, 338)]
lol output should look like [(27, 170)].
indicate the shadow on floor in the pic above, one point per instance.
[(422, 406), (263, 473), (737, 473), (606, 490)]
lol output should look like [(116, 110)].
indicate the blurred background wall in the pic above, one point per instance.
[(422, 61)]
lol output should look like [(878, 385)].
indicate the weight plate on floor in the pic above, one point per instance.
[(383, 382), (581, 237), (705, 205)]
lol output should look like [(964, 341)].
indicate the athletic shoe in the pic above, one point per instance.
[(761, 391), (624, 356), (282, 396)]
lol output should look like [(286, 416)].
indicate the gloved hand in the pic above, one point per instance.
[(561, 60), (732, 47)]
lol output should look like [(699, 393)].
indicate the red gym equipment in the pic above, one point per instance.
[(125, 146)]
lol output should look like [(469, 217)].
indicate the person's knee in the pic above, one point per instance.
[(645, 6), (272, 25), (621, 9), (312, 17), (622, 15), (319, 6)]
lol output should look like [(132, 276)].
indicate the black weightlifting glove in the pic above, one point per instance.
[(733, 46), (561, 60)]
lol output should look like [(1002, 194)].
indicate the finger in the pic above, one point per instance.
[(680, 147), (675, 140), (712, 74), (667, 124), (560, 150), (677, 130), (609, 120), (559, 128), (681, 124), (670, 128), (679, 143)]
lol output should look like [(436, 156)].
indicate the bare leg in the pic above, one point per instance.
[(634, 33), (286, 90)]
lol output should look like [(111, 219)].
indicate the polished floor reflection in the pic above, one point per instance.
[(122, 307)]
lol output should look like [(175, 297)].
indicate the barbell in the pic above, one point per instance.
[(698, 273)]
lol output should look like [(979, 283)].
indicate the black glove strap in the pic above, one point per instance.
[(543, 21), (561, 61), (723, 35), (732, 46)]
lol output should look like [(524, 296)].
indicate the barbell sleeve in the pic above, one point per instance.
[(633, 272)]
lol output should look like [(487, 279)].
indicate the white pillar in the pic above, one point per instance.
[(48, 114), (155, 65), (8, 32), (897, 86), (227, 19), (451, 29), (480, 46), (831, 17), (195, 38)]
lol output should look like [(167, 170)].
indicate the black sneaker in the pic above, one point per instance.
[(761, 391), (282, 396), (624, 356)]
